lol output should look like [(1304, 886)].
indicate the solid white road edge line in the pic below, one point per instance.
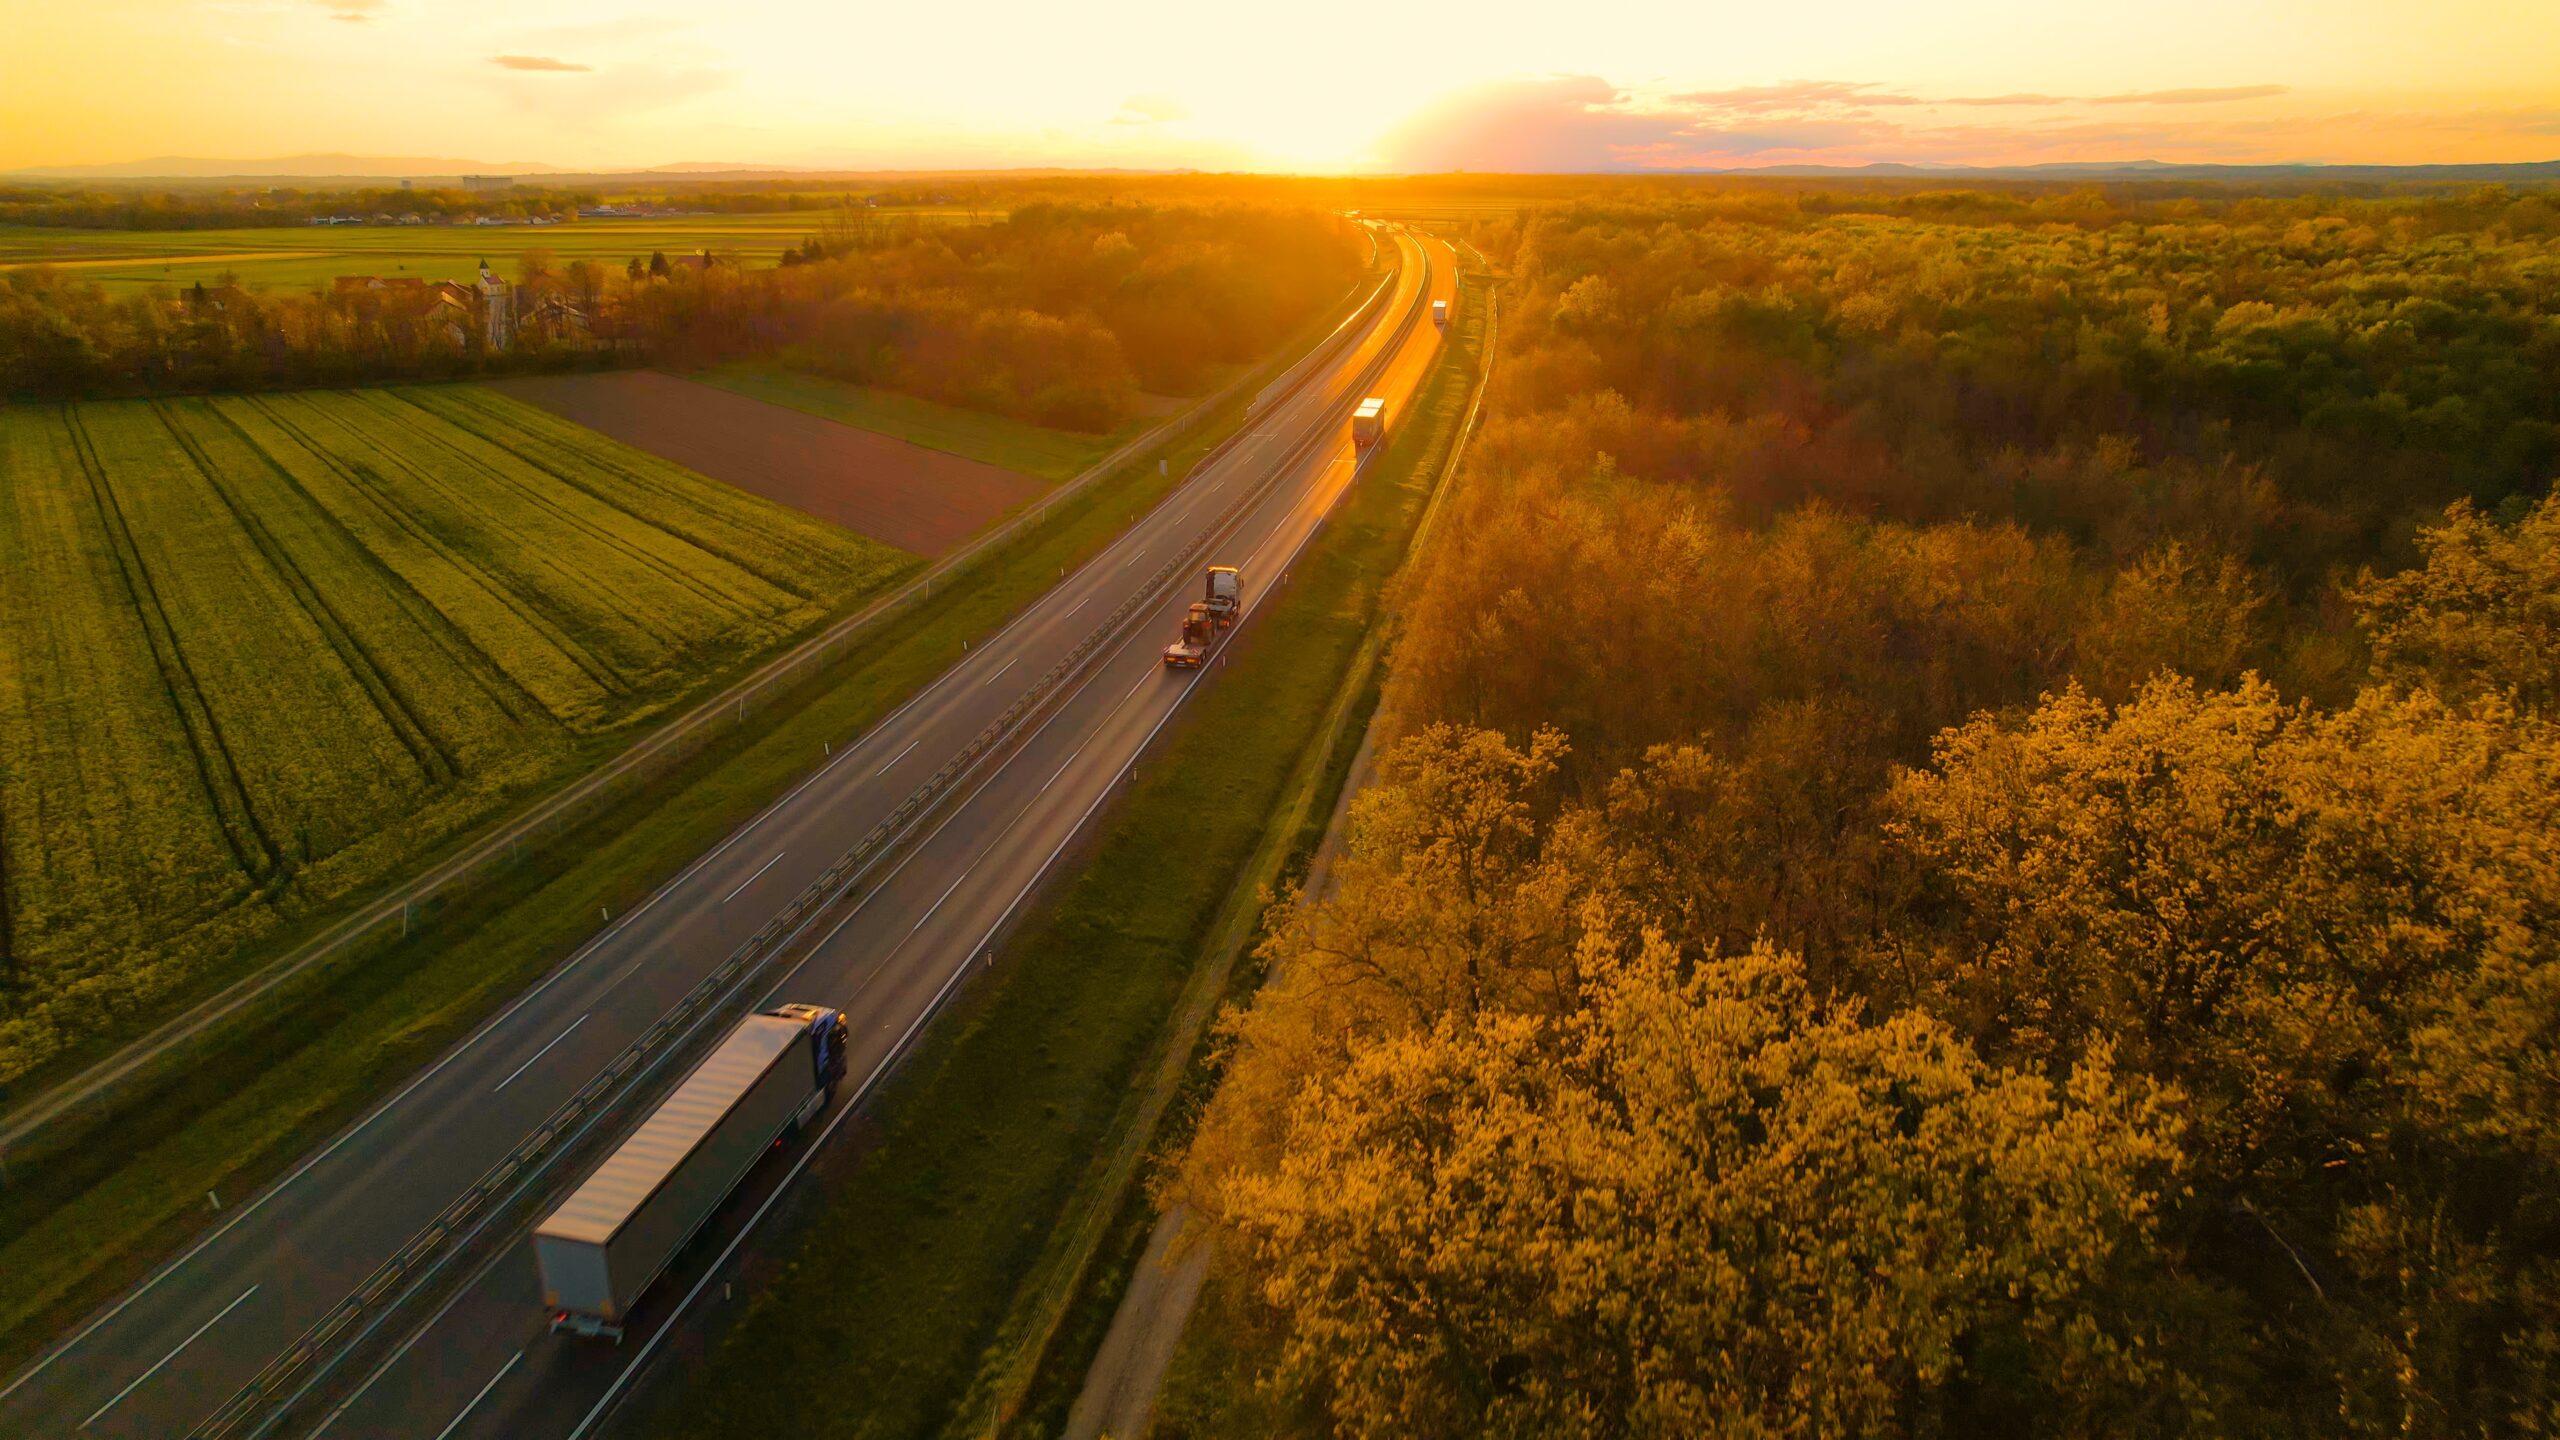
[(460, 1415), (165, 1359), (538, 1054), (750, 880)]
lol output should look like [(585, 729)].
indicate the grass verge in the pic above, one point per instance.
[(922, 1289), (989, 439), (103, 1195)]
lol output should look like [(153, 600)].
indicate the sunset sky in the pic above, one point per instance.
[(1314, 85)]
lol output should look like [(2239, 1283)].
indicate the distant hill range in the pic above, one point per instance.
[(293, 167), (2160, 170), (431, 169), (356, 169)]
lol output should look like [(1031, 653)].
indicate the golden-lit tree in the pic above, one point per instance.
[(2338, 935), (2178, 611), (2482, 612), (1710, 1204)]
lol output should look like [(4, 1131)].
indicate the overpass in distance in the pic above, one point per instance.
[(169, 1352)]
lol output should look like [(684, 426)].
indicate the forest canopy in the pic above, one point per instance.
[(1963, 845)]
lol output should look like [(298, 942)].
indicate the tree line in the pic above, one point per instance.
[(258, 207), (1061, 315), (1947, 857), (249, 207)]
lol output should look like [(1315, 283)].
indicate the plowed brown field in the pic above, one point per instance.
[(919, 500)]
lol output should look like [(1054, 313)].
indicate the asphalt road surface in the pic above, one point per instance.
[(165, 1355)]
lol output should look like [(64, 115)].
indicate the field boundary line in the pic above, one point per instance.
[(704, 719)]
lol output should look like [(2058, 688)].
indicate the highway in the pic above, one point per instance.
[(169, 1352)]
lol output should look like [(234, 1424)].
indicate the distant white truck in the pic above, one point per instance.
[(1440, 313), (602, 1249), (1369, 422)]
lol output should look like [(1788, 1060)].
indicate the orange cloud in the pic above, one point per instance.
[(2192, 97), (1150, 110), (537, 62), (1584, 123), (1794, 96)]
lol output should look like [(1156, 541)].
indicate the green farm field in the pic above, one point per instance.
[(300, 257), (260, 652)]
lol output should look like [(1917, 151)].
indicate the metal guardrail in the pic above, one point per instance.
[(268, 1398)]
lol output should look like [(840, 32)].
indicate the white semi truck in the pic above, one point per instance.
[(1440, 313), (1369, 422), (620, 1229)]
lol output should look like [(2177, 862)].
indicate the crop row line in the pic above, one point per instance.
[(259, 858), (453, 407), (385, 496), (459, 650), (433, 758)]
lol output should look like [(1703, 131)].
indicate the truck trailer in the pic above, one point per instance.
[(1440, 313), (1369, 422), (602, 1249)]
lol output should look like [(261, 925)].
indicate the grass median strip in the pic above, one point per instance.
[(910, 1286), (102, 1196)]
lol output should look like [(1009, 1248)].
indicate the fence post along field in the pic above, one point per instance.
[(302, 1377)]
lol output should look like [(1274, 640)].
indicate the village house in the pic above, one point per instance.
[(542, 311), (434, 307)]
